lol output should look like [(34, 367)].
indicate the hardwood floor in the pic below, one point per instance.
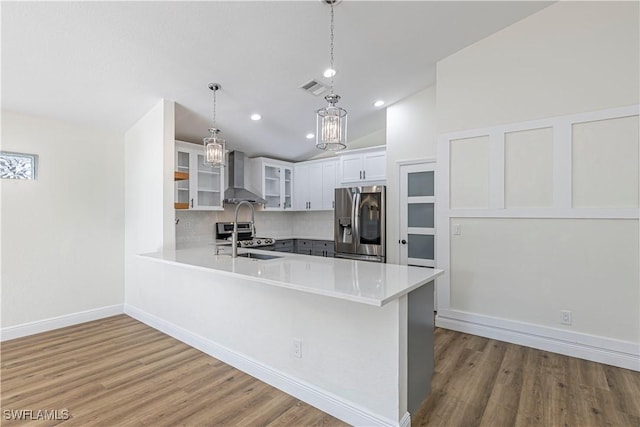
[(120, 372), (483, 382)]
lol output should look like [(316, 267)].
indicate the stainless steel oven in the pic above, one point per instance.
[(246, 239)]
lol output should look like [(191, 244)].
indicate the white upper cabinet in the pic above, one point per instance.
[(315, 183), (362, 166), (351, 167), (315, 186), (329, 182), (273, 180), (205, 187), (301, 186)]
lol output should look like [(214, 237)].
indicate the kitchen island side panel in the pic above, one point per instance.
[(349, 350), (420, 353)]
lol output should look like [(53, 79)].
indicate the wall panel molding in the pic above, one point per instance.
[(575, 344)]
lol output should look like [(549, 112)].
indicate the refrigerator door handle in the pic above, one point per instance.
[(355, 220)]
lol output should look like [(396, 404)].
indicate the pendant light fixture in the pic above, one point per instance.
[(214, 152), (331, 121)]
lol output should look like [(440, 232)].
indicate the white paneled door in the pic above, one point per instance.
[(417, 214)]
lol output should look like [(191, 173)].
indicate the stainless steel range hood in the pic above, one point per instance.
[(237, 192)]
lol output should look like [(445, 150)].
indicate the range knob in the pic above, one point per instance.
[(267, 241), (248, 243), (259, 242)]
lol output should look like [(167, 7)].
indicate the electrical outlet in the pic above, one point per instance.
[(565, 317), (297, 348)]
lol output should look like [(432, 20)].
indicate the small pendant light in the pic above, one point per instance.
[(331, 121), (214, 151)]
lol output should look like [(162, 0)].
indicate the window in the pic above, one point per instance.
[(18, 165)]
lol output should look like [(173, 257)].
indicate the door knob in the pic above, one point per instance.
[(404, 242)]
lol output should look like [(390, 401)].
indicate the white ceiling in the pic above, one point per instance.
[(105, 64)]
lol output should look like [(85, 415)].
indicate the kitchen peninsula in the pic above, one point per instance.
[(352, 338)]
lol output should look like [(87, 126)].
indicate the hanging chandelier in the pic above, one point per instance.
[(331, 121), (214, 151)]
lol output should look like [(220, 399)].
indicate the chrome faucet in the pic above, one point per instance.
[(234, 241)]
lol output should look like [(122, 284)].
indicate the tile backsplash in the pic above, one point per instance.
[(198, 227), (314, 224)]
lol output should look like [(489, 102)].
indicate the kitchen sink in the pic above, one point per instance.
[(258, 256)]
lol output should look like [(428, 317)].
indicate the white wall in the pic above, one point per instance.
[(411, 134), (569, 58), (149, 162), (149, 188), (533, 268), (62, 234)]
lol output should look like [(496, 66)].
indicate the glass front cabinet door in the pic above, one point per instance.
[(183, 165), (273, 180), (204, 189)]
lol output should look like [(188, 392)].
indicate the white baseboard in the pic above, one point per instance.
[(325, 401), (52, 323), (406, 420), (624, 354)]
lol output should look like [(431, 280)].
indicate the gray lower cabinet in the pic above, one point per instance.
[(303, 246), (314, 247), (322, 248), (284, 245)]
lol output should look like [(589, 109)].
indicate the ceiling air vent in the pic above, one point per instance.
[(314, 87)]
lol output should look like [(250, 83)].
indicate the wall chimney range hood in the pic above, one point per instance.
[(237, 192)]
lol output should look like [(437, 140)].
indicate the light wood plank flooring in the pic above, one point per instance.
[(120, 372), (483, 382)]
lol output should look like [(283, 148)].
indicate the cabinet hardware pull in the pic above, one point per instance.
[(192, 202), (364, 174)]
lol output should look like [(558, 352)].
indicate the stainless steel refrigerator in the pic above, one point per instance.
[(359, 225)]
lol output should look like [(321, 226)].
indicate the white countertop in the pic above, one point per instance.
[(359, 281)]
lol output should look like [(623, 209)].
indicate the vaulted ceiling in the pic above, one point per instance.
[(105, 64)]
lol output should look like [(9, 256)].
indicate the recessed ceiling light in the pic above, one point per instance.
[(310, 136), (329, 72), (256, 117), (378, 103)]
